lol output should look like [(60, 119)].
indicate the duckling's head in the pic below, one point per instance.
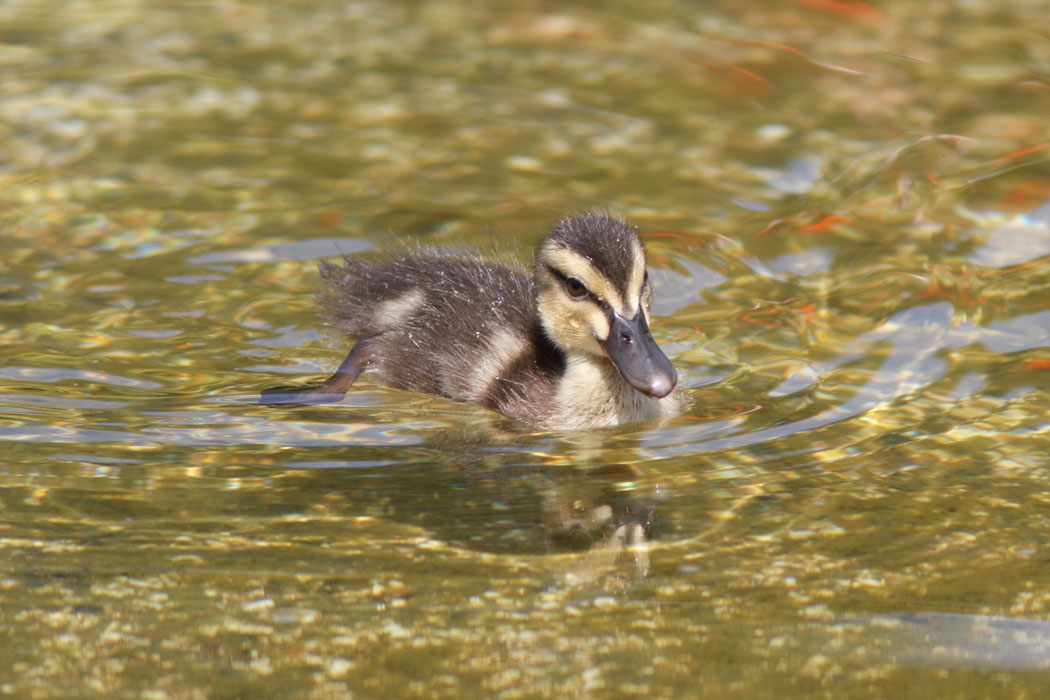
[(594, 297)]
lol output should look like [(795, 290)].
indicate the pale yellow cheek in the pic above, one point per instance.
[(598, 324)]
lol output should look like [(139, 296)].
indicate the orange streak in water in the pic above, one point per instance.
[(782, 47), (724, 68), (802, 54), (1024, 152), (826, 223), (1026, 195), (854, 9), (754, 76)]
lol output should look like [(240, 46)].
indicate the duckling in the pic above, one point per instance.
[(567, 348)]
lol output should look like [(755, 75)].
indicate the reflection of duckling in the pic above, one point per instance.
[(610, 528), (569, 348)]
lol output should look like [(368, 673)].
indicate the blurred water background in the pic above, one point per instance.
[(847, 211)]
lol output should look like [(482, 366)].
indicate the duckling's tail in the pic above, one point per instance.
[(364, 300), (345, 300)]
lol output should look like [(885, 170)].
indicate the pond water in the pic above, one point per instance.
[(847, 212)]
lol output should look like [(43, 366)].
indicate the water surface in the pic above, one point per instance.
[(847, 212)]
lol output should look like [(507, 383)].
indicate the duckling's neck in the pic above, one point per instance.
[(592, 393)]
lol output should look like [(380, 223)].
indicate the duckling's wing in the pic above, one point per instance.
[(458, 327), (425, 290)]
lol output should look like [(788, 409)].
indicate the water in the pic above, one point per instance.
[(847, 212)]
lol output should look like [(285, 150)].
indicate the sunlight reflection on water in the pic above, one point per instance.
[(846, 217)]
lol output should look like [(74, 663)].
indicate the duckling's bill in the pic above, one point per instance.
[(640, 360)]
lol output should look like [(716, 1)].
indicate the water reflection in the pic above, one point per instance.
[(589, 525), (608, 518)]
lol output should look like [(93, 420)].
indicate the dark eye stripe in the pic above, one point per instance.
[(557, 273), (564, 279)]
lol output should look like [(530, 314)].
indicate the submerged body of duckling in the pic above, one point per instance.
[(567, 348)]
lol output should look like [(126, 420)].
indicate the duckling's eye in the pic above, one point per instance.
[(575, 287)]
